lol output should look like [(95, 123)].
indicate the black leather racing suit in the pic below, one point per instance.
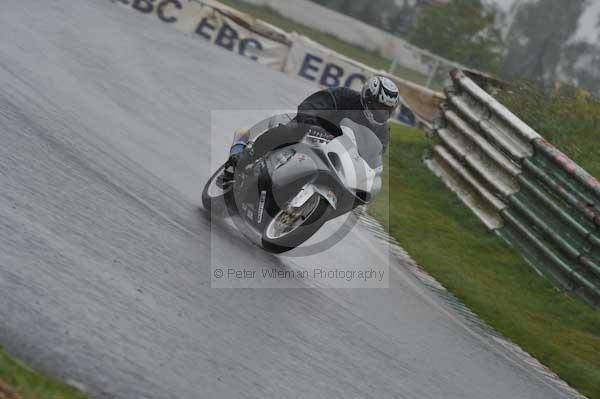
[(325, 108)]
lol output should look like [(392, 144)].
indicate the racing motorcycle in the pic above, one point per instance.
[(284, 197)]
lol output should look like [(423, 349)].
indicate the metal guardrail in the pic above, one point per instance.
[(520, 186)]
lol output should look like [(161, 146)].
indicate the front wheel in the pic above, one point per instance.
[(289, 229)]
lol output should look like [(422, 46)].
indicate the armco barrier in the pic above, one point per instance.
[(294, 54), (520, 186)]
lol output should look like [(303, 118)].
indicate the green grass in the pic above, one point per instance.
[(366, 57), (448, 241), (30, 385), (568, 117)]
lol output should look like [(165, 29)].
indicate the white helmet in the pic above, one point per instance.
[(380, 97)]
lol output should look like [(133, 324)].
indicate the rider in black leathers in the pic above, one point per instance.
[(323, 111)]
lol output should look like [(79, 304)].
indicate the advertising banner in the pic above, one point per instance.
[(293, 54), (210, 24)]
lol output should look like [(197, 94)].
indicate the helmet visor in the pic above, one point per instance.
[(380, 112), (381, 115)]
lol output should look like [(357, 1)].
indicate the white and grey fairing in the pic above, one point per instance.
[(355, 158)]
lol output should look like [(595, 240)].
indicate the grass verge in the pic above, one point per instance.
[(448, 241), (18, 382), (568, 117), (366, 57)]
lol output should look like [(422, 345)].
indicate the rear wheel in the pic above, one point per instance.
[(215, 193), (290, 228)]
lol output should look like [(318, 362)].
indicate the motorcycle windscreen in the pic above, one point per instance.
[(368, 144)]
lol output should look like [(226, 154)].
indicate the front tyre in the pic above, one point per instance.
[(289, 229)]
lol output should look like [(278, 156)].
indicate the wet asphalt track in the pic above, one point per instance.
[(105, 258)]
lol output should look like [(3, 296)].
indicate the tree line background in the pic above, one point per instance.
[(460, 30)]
